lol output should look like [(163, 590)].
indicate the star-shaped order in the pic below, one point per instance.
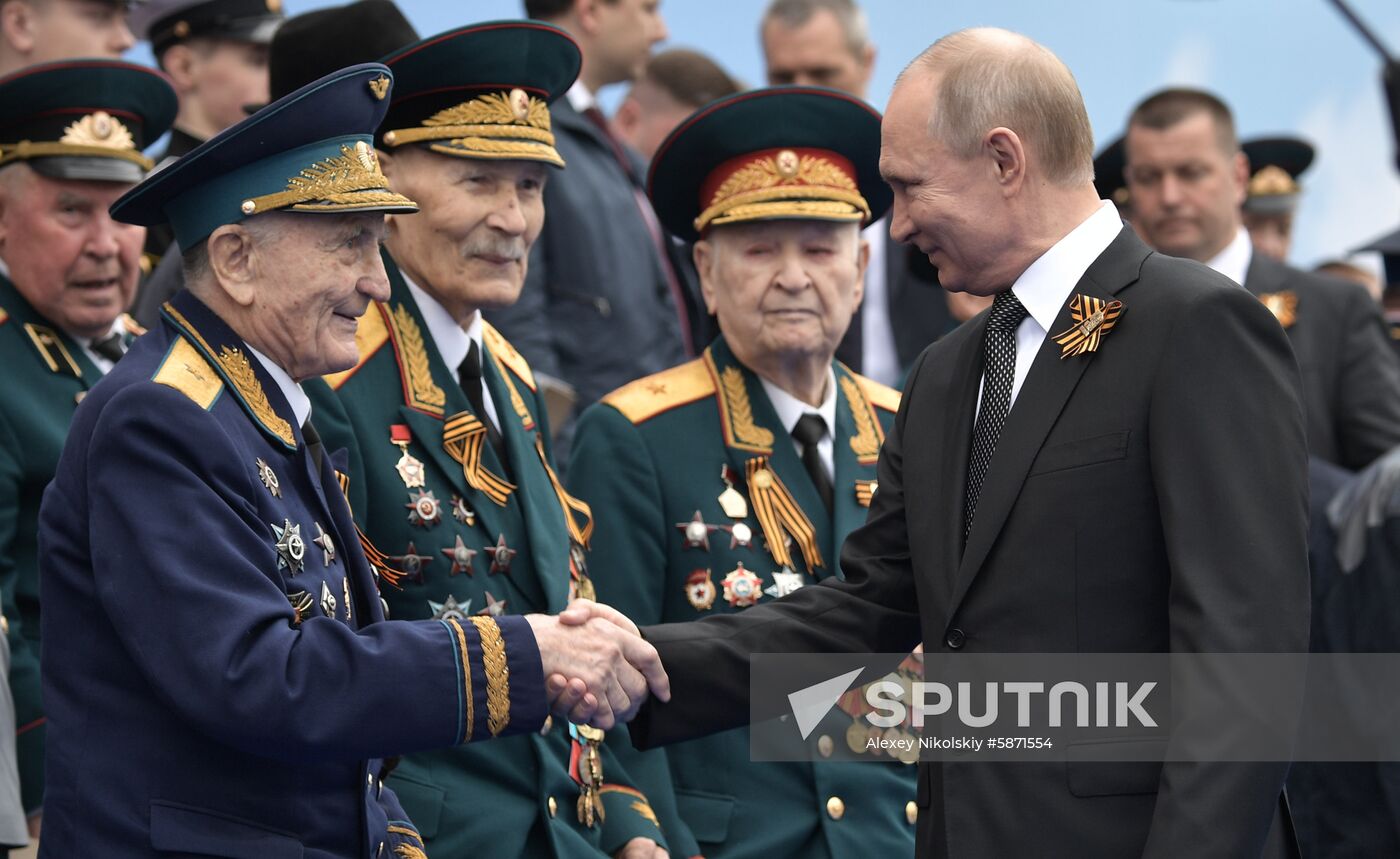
[(494, 607), (501, 555), (412, 563), (268, 477), (697, 532), (324, 541), (424, 510), (784, 583), (450, 610), (460, 556), (291, 549), (461, 512)]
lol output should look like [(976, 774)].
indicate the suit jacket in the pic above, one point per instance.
[(596, 310), (160, 237), (159, 286), (648, 458), (495, 797), (1103, 525), (918, 307), (219, 680), (1351, 378)]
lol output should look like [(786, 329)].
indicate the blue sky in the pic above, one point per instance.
[(1289, 66)]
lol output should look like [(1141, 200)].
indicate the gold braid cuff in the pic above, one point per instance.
[(493, 656), (461, 635)]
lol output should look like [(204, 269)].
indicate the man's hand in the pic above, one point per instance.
[(597, 671), (641, 848)]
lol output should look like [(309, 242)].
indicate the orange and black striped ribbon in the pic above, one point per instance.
[(463, 436), (379, 560), (779, 515), (579, 534)]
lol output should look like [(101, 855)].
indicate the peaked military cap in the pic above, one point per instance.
[(307, 152), (482, 91), (779, 152), (1275, 163), (1108, 173), (165, 23), (1388, 246), (316, 43), (84, 119)]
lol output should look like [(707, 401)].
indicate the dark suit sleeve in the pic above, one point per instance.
[(1368, 385), (875, 609), (180, 567), (1229, 460), (24, 659)]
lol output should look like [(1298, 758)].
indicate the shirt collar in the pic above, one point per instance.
[(790, 409), (1234, 260), (295, 396), (118, 327), (452, 340), (1045, 287), (580, 97)]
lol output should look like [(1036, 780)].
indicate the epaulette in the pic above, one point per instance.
[(646, 398), (880, 396), (500, 347), (370, 334), (186, 370)]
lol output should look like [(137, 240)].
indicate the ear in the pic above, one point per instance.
[(587, 14), (705, 257), (1239, 168), (178, 62), (627, 116), (862, 263), (18, 25), (1008, 158), (233, 262)]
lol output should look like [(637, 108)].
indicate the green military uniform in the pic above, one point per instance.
[(82, 120), (470, 533), (705, 506)]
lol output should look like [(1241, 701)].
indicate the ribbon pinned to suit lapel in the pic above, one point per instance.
[(1093, 319), (463, 436), (780, 516)]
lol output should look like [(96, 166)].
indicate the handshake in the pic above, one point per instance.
[(598, 670)]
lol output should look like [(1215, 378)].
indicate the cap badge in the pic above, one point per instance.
[(98, 129)]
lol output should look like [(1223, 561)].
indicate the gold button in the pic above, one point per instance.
[(824, 745), (911, 812), (836, 808), (553, 807)]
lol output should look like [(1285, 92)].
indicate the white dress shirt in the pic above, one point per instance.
[(580, 97), (102, 363), (453, 342), (879, 359), (295, 396), (1234, 260), (790, 410), (1045, 287)]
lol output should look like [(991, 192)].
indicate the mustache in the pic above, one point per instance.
[(506, 247)]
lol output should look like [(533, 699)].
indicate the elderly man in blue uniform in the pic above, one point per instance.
[(733, 480), (70, 143), (227, 684), (446, 421)]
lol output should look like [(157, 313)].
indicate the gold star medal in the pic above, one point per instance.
[(410, 469), (1093, 319)]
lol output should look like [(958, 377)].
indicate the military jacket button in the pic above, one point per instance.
[(824, 745), (553, 807), (911, 812), (835, 808), (956, 638)]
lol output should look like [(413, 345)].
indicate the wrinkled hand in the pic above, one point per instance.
[(641, 848), (598, 670)]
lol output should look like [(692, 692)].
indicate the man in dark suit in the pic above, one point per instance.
[(1188, 179), (1044, 493), (607, 298)]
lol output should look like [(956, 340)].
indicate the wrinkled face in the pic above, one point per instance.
[(1186, 189), (1271, 234), (952, 209), (225, 76), (67, 257), (469, 244), (784, 289), (63, 29), (626, 32), (316, 275), (815, 54)]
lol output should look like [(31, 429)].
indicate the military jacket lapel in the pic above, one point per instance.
[(57, 351), (857, 439)]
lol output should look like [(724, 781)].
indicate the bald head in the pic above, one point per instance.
[(988, 78)]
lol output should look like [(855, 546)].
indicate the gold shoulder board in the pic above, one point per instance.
[(186, 370), (880, 396), (646, 398), (371, 334)]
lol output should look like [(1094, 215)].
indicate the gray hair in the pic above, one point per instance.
[(995, 78), (794, 13)]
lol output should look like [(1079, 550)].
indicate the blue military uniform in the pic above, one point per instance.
[(226, 684)]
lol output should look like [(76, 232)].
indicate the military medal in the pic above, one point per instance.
[(494, 607), (327, 600), (460, 556), (268, 477), (501, 555), (412, 563), (345, 590), (589, 773), (291, 551), (324, 541), (461, 512), (731, 501), (865, 491), (857, 735), (1283, 305), (700, 590), (450, 610), (740, 535), (784, 583), (580, 583), (301, 604), (742, 588), (410, 469), (1093, 319), (697, 532), (424, 510)]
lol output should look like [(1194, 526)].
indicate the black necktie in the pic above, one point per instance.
[(999, 352), (313, 444), (110, 347), (469, 377), (809, 432)]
